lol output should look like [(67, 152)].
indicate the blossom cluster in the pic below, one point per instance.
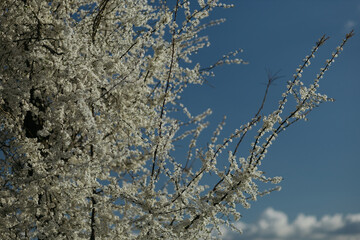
[(89, 99)]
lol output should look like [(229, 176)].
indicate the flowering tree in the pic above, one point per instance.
[(89, 92)]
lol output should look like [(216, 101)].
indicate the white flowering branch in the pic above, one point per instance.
[(89, 100)]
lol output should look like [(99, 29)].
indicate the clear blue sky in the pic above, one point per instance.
[(319, 159)]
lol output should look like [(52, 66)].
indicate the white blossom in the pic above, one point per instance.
[(91, 115)]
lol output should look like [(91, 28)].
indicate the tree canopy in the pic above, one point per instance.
[(90, 96)]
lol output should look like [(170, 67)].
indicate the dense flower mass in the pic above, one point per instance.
[(88, 94)]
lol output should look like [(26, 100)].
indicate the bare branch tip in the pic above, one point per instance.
[(322, 40), (350, 34)]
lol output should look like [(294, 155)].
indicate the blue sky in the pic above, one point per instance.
[(318, 159)]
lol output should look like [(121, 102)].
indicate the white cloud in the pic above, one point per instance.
[(349, 25), (353, 217), (305, 224), (273, 222), (274, 225)]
